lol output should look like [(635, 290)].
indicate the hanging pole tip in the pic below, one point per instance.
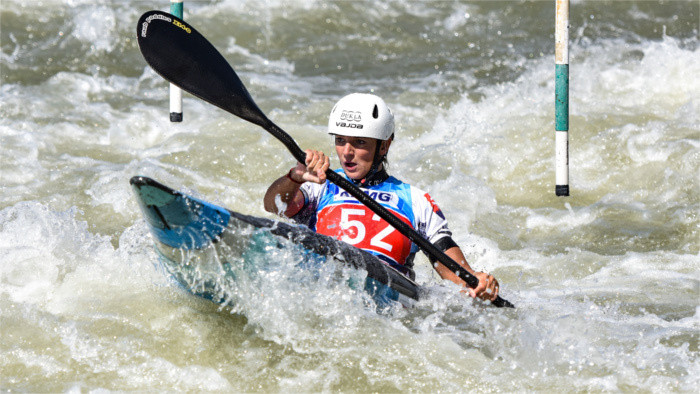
[(176, 8)]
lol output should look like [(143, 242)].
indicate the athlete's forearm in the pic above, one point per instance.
[(455, 253), (488, 285)]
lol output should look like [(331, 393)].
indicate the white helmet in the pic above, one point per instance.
[(361, 115)]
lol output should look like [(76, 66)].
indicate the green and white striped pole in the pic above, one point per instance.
[(175, 92), (561, 97)]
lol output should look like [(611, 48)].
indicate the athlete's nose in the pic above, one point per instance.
[(348, 150)]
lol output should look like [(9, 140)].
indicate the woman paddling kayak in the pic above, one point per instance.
[(363, 130)]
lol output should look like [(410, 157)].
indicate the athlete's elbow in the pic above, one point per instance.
[(271, 208), (267, 208), (269, 203), (275, 204)]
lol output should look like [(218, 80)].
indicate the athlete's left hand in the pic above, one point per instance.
[(487, 288)]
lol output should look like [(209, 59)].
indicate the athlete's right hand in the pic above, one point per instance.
[(313, 169)]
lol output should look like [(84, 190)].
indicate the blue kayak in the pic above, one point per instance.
[(190, 233)]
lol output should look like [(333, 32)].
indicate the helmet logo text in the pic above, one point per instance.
[(351, 116), (349, 125)]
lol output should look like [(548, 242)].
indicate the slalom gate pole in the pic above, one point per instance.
[(176, 7), (561, 97)]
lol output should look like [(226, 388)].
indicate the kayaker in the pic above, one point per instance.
[(363, 129)]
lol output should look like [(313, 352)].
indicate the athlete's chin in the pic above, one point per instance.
[(352, 172)]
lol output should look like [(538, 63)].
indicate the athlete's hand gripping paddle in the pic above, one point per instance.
[(182, 56)]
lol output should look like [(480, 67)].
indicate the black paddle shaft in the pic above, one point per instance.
[(182, 56)]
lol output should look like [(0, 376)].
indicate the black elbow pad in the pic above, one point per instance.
[(443, 244)]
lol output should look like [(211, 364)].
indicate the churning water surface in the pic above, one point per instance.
[(606, 281)]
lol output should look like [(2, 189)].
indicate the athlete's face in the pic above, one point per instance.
[(356, 154)]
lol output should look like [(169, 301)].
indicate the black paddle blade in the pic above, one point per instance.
[(182, 56)]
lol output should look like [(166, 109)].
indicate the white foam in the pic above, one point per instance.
[(96, 26), (49, 257)]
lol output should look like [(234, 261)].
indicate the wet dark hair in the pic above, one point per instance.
[(384, 161)]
